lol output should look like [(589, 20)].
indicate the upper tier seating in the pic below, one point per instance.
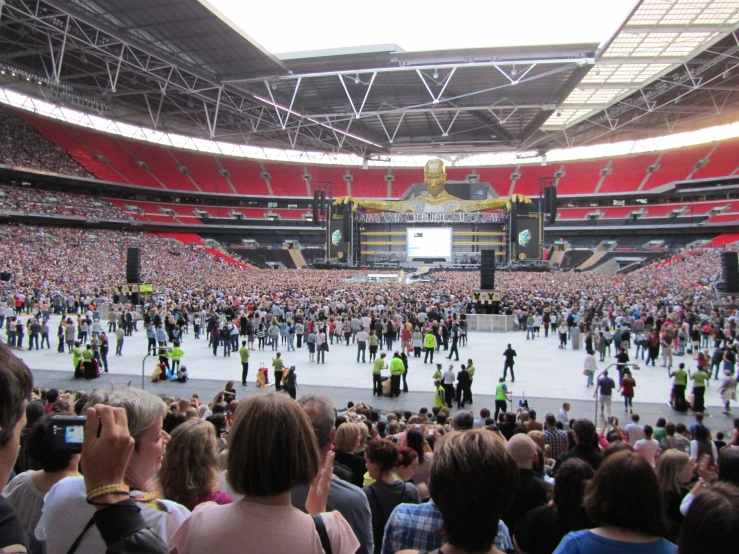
[(325, 177), (369, 183), (286, 179), (627, 174), (118, 157), (724, 160), (246, 176), (580, 177), (130, 162), (676, 165)]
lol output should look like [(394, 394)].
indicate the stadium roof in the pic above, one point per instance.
[(179, 66)]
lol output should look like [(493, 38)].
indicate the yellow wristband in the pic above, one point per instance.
[(108, 489)]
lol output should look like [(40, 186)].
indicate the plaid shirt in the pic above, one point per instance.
[(557, 441), (416, 527)]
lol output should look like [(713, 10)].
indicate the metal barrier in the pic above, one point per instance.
[(492, 323)]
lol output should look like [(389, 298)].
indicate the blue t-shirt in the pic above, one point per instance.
[(586, 542), (606, 385)]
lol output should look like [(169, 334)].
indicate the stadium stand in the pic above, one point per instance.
[(369, 183), (321, 176), (245, 175), (528, 183), (161, 164), (205, 171), (723, 160), (676, 165), (627, 174), (286, 179), (580, 177), (498, 177), (403, 179)]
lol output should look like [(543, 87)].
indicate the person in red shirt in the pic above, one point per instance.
[(627, 390)]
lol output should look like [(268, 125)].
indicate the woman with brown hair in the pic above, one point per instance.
[(272, 449), (712, 524), (382, 457), (624, 502), (189, 473), (674, 472)]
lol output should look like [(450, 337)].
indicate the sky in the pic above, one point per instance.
[(284, 26)]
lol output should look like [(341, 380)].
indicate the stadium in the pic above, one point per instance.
[(291, 199)]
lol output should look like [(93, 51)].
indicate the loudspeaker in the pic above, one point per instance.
[(322, 203), (487, 270), (347, 231), (315, 208), (730, 270), (512, 223), (133, 265), (550, 204)]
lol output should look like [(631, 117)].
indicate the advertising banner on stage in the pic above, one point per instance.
[(337, 248), (527, 244)]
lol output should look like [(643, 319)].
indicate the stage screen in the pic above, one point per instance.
[(429, 242)]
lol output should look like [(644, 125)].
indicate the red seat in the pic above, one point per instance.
[(580, 177), (117, 155), (676, 165), (575, 213), (246, 175), (59, 135), (724, 218), (204, 170), (369, 183), (498, 177), (323, 177), (161, 164), (404, 179), (286, 179), (723, 161), (627, 173), (528, 183)]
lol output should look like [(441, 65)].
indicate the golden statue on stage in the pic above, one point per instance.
[(435, 199)]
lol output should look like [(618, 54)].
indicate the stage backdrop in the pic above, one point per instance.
[(336, 247), (527, 244)]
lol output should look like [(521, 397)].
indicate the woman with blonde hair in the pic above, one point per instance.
[(346, 441), (674, 472), (272, 449), (189, 472)]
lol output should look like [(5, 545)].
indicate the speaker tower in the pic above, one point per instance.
[(730, 271), (487, 270), (133, 265)]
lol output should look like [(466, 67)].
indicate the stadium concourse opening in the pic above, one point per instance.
[(320, 277)]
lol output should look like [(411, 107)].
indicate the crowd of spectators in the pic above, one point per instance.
[(204, 475), (57, 203), (21, 146)]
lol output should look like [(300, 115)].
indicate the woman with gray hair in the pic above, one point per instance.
[(67, 516)]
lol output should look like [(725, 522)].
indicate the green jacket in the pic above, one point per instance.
[(244, 353), (430, 341), (397, 367), (176, 353), (379, 366)]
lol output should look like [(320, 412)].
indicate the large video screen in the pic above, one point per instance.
[(429, 242)]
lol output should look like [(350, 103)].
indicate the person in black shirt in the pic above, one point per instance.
[(463, 387), (509, 362), (622, 358), (583, 433), (533, 491)]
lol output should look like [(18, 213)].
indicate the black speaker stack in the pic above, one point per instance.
[(730, 271), (347, 231), (487, 270), (550, 204), (133, 265)]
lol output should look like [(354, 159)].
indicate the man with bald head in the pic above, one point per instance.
[(533, 491)]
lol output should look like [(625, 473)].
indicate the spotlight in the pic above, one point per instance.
[(514, 71), (559, 113), (436, 74), (356, 79)]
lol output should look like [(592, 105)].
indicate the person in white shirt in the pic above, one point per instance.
[(562, 415), (634, 430), (366, 320), (590, 367), (448, 383), (362, 337), (648, 447)]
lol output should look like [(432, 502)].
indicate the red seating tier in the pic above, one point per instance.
[(627, 173), (676, 165), (286, 179), (498, 177), (580, 177), (723, 218), (404, 179), (321, 176), (723, 161), (58, 134), (204, 170), (618, 212), (246, 176), (528, 184), (661, 210), (575, 213), (161, 164), (118, 156), (369, 183)]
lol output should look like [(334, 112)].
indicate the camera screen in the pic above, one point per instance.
[(74, 434)]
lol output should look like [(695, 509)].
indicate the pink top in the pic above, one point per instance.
[(247, 527), (218, 497)]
